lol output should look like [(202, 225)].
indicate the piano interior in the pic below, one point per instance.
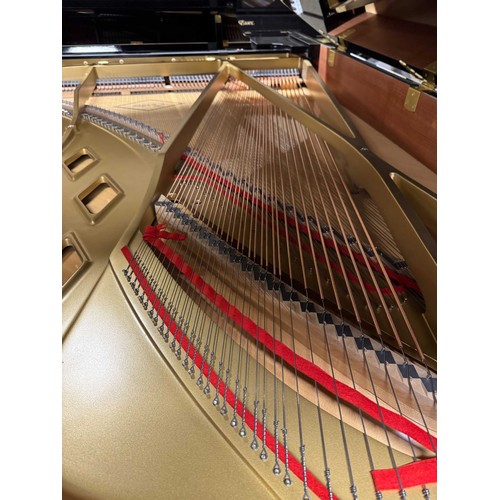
[(249, 287)]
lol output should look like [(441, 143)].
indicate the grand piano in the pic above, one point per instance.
[(249, 249)]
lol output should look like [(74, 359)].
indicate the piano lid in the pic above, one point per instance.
[(111, 28)]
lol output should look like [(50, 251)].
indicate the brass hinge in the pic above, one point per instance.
[(425, 85), (412, 97), (331, 57), (341, 39), (432, 68)]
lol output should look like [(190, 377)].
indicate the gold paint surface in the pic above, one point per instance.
[(308, 412), (131, 169), (135, 425), (130, 430)]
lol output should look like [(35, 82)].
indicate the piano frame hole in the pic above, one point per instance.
[(99, 197), (80, 162), (74, 259)]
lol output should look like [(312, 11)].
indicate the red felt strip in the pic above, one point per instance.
[(305, 367), (401, 278), (335, 267), (414, 474), (294, 465), (151, 233)]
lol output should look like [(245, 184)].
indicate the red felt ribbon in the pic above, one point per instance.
[(305, 367), (152, 233), (404, 280), (416, 473), (334, 266), (293, 464)]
